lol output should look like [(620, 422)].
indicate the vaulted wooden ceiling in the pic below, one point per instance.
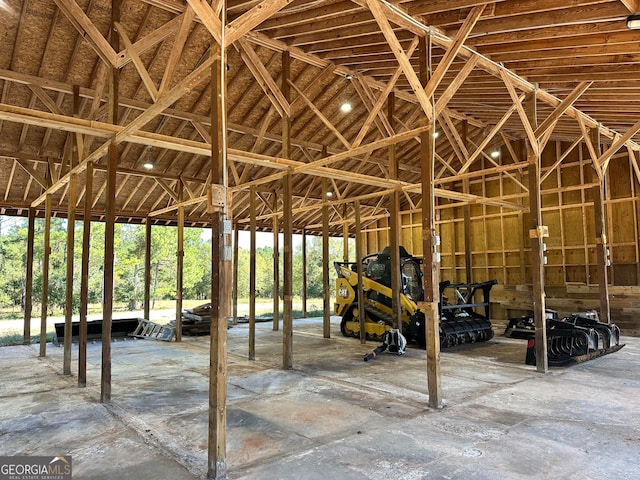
[(577, 57)]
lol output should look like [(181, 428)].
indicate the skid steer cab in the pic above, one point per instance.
[(459, 323)]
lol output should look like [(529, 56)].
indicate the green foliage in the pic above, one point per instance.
[(130, 263)]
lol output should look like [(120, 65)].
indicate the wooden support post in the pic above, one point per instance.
[(234, 300), (326, 299), (304, 273), (287, 218), (68, 309), (602, 256), (345, 235), (602, 249), (84, 278), (220, 271), (359, 255), (287, 312), (394, 224), (468, 262), (429, 247), (252, 274), (147, 269), (276, 264), (536, 234), (110, 216), (45, 275), (179, 265), (28, 287)]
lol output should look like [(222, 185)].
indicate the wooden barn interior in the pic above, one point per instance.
[(494, 139)]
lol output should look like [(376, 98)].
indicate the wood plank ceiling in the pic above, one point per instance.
[(578, 56)]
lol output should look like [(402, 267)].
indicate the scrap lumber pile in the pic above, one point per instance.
[(197, 320)]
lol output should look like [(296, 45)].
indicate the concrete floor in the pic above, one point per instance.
[(331, 417)]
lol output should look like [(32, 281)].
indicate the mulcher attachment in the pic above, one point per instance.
[(576, 338), (459, 322)]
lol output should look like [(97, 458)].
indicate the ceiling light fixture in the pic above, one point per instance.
[(329, 194), (148, 164), (495, 154), (633, 22), (345, 106), (436, 134)]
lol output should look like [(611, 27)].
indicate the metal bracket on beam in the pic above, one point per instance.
[(541, 231)]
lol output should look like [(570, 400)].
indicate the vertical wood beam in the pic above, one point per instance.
[(68, 309), (252, 273), (217, 433), (304, 273), (359, 255), (287, 312), (430, 264), (110, 216), (326, 300), (345, 235), (276, 264), (394, 224), (287, 218), (599, 213), (28, 293), (601, 250), (537, 240), (147, 269), (84, 278), (180, 264), (236, 235), (468, 259), (45, 275)]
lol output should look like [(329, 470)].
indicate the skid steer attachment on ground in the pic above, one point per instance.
[(459, 321), (576, 338)]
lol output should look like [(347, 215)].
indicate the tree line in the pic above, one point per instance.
[(130, 264)]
